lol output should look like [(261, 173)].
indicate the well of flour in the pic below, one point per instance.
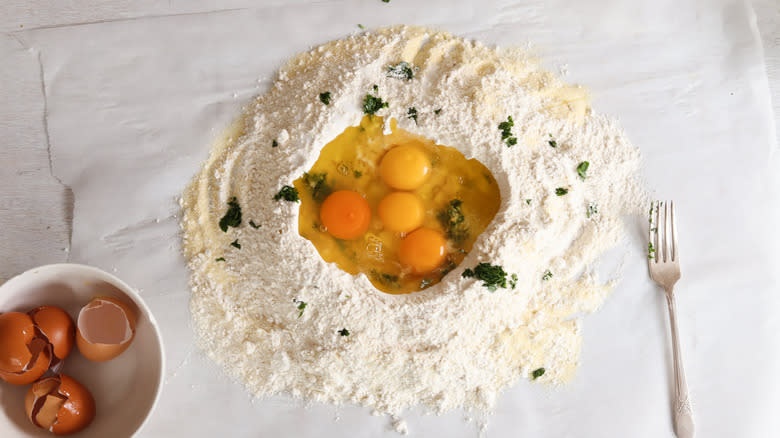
[(279, 319)]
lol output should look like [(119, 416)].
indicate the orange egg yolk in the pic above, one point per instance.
[(401, 212), (345, 214), (405, 167), (423, 250)]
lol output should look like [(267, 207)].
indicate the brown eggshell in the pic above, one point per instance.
[(16, 331), (41, 354), (102, 332), (78, 411), (59, 404), (58, 327)]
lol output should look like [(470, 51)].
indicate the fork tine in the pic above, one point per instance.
[(674, 233), (667, 233), (657, 247)]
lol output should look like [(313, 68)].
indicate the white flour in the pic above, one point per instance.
[(453, 345)]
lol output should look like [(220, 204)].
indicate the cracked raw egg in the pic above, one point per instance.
[(60, 405), (105, 329)]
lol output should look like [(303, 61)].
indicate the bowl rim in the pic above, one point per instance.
[(131, 293)]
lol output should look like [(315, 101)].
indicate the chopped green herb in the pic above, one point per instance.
[(412, 114), (301, 307), (425, 283), (219, 259), (453, 221), (344, 332), (528, 201), (493, 276), (358, 174), (654, 229), (235, 244), (361, 26), (402, 70), (274, 144), (552, 142), (539, 372), (506, 131), (560, 191), (232, 217), (582, 169), (375, 88), (592, 209), (325, 97), (288, 193), (547, 275), (386, 279), (650, 250), (318, 184), (372, 104), (253, 224), (513, 281), (437, 111), (385, 1)]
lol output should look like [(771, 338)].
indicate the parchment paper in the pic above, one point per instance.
[(132, 106)]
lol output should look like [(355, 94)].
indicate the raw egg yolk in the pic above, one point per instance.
[(401, 212), (423, 250), (405, 167), (345, 214)]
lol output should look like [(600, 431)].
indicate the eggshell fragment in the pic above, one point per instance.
[(60, 405), (25, 354), (58, 328), (16, 331), (105, 328)]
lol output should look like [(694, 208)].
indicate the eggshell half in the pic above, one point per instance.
[(57, 326), (105, 329), (59, 404), (41, 354)]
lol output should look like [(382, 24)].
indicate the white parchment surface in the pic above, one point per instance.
[(131, 106)]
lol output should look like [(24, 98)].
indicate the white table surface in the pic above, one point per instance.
[(108, 107)]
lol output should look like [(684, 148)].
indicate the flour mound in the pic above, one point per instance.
[(457, 344)]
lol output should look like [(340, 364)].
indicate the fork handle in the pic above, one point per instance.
[(683, 417)]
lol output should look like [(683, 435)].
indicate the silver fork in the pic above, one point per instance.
[(664, 265)]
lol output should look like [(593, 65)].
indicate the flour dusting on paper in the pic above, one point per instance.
[(456, 344)]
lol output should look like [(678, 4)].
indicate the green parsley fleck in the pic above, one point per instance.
[(513, 281), (560, 191), (453, 221), (361, 26), (253, 224), (232, 217), (318, 183), (528, 201), (301, 307), (547, 275), (358, 174), (412, 114), (506, 132), (582, 168), (288, 193), (235, 244), (402, 70), (219, 259), (325, 97), (592, 209), (344, 332), (552, 142), (437, 111), (539, 372), (372, 104), (385, 1), (650, 250), (274, 144), (493, 276)]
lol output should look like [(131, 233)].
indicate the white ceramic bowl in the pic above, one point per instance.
[(125, 389)]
